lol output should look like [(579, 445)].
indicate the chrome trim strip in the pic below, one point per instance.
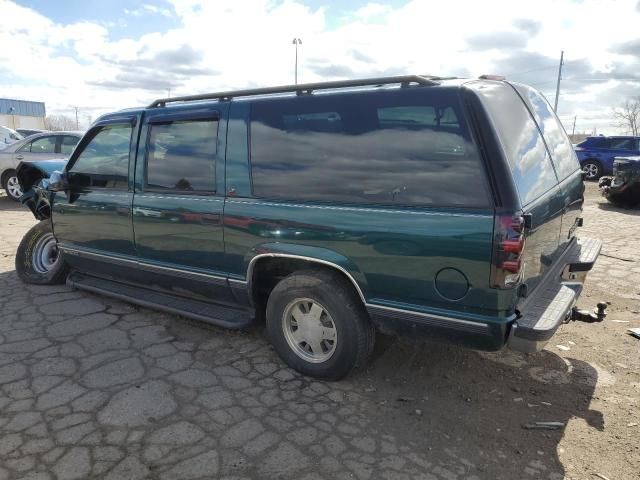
[(366, 209), (468, 323), (306, 259), (240, 283), (144, 265)]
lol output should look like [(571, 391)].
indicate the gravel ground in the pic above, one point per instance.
[(93, 387)]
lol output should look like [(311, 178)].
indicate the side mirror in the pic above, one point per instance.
[(58, 182)]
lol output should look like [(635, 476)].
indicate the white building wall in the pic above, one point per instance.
[(19, 121)]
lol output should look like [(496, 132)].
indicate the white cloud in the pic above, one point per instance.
[(229, 44)]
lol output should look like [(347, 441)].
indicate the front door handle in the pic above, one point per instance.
[(19, 157)]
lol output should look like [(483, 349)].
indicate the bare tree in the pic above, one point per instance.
[(627, 117), (59, 122)]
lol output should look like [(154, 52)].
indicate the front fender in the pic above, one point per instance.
[(33, 180), (311, 254)]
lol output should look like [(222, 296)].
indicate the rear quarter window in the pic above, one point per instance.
[(529, 161), (562, 154), (401, 147)]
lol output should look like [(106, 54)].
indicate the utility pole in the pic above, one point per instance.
[(573, 130), (168, 93), (296, 41), (555, 105), (77, 123)]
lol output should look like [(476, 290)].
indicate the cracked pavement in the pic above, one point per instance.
[(92, 387)]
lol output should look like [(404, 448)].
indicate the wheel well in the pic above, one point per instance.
[(4, 175), (593, 160), (267, 272)]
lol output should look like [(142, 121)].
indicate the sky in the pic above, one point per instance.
[(113, 54)]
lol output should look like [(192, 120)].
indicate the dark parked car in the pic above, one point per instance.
[(596, 154), (439, 207), (624, 187)]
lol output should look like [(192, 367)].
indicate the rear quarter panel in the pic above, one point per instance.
[(393, 254)]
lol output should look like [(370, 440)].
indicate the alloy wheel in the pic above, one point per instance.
[(13, 187), (591, 170), (309, 330)]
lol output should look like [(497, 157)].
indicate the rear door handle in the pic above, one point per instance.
[(19, 157)]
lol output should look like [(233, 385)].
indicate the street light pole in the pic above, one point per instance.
[(555, 104), (296, 41)]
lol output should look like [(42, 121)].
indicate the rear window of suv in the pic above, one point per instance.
[(524, 147), (400, 147)]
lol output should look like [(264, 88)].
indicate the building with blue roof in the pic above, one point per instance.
[(22, 114)]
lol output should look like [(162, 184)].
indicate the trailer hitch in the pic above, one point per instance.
[(589, 316)]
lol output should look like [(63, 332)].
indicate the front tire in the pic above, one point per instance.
[(11, 185), (38, 260), (318, 325), (592, 169)]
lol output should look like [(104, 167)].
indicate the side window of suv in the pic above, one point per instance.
[(622, 143), (181, 156), (562, 153), (523, 145), (389, 148), (104, 161)]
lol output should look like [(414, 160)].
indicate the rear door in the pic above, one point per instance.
[(179, 199), (563, 158)]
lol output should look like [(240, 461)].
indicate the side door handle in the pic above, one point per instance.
[(19, 157)]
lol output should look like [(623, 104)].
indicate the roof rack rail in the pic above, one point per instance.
[(305, 88)]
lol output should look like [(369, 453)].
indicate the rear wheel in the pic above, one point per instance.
[(11, 185), (318, 325), (592, 169), (38, 259)]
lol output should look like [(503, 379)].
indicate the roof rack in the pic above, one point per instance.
[(301, 89)]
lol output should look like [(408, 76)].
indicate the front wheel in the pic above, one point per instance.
[(11, 185), (318, 325), (38, 259), (592, 169)]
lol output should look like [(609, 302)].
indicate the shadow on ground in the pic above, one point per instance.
[(194, 396)]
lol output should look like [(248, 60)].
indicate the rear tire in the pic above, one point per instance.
[(11, 185), (318, 325), (38, 260), (592, 169)]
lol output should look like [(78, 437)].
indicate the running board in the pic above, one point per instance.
[(218, 315)]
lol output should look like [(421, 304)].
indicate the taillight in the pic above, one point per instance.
[(509, 242)]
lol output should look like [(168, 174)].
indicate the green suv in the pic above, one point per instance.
[(416, 205)]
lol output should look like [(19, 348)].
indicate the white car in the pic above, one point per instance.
[(8, 136), (41, 146)]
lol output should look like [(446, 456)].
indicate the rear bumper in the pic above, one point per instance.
[(542, 313)]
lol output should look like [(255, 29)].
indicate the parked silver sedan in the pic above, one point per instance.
[(41, 146)]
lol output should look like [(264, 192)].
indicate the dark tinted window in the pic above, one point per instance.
[(562, 153), (68, 144), (595, 142), (389, 147), (526, 153), (622, 143), (104, 161), (181, 156)]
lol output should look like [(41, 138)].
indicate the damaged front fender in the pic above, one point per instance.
[(34, 180), (624, 187)]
